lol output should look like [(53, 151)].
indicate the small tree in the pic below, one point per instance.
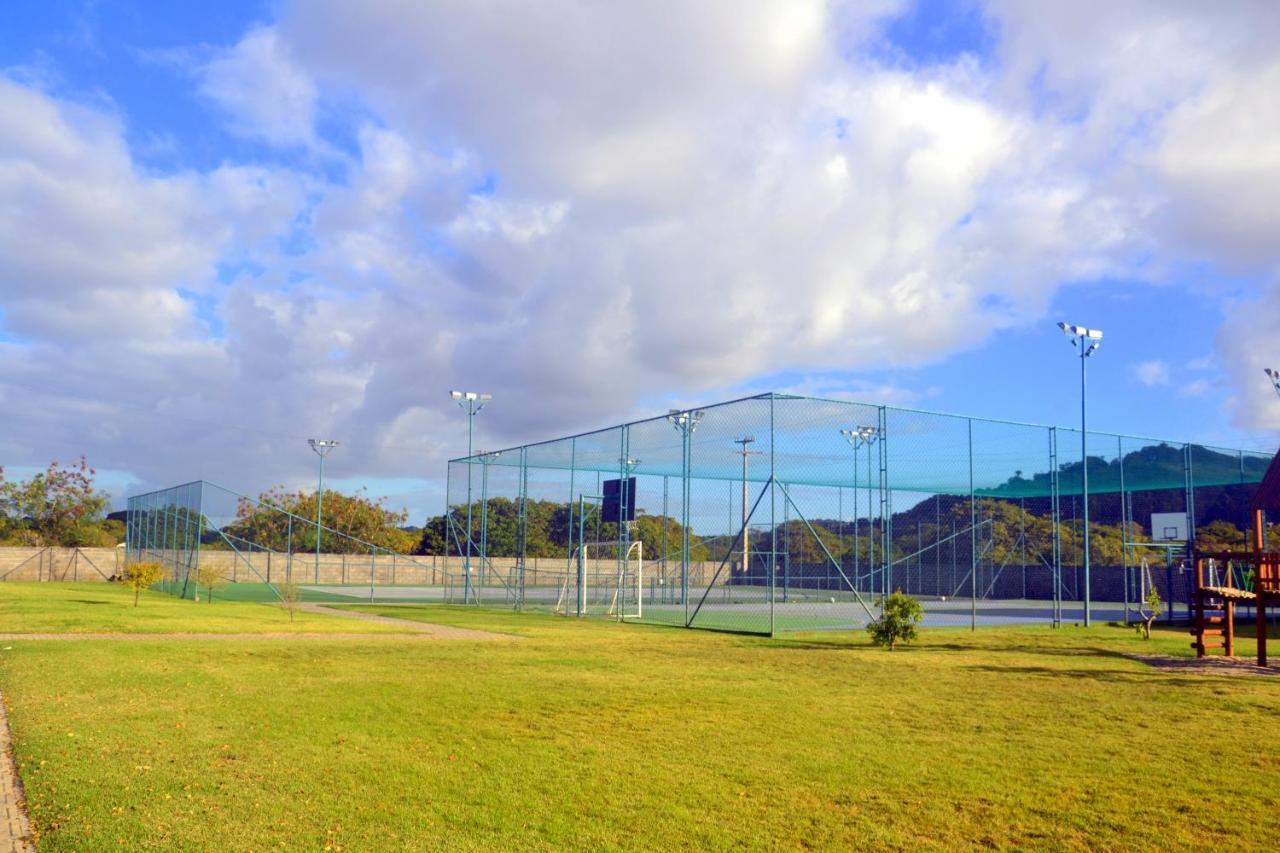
[(210, 577), (899, 615), (1155, 607), (290, 595), (140, 576)]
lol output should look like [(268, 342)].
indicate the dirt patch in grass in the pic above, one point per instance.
[(1207, 666)]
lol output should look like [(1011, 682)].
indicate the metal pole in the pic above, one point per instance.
[(746, 547), (856, 549), (773, 523), (1124, 533), (319, 506), (582, 593), (973, 542), (466, 562), (1084, 479)]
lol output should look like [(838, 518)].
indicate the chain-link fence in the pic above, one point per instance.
[(781, 513), (212, 540)]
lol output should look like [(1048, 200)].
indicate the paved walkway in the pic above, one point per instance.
[(15, 835), (441, 632)]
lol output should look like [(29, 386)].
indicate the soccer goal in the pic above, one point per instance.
[(603, 580)]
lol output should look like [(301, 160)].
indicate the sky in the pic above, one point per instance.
[(226, 228)]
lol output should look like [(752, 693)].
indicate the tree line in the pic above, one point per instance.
[(59, 506)]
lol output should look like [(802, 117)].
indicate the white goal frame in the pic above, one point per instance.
[(617, 609)]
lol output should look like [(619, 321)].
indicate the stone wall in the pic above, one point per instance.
[(98, 564), (59, 564)]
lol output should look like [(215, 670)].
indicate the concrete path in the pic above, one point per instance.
[(15, 835), (441, 632)]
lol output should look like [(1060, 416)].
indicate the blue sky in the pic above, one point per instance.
[(232, 228)]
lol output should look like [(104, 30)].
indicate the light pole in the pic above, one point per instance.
[(744, 441), (1274, 376), (471, 403), (857, 437), (1087, 342), (323, 447), (685, 423)]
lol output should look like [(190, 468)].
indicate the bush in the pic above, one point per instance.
[(1155, 607), (140, 576), (290, 595), (210, 577), (899, 615)]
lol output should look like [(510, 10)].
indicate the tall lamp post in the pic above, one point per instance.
[(1087, 342), (745, 441), (685, 422), (323, 447), (471, 403), (1274, 376), (857, 438)]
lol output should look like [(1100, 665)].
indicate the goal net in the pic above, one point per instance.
[(602, 580)]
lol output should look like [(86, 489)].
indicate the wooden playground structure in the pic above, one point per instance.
[(1215, 597)]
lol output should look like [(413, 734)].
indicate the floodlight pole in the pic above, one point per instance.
[(323, 447), (1087, 341), (471, 403), (744, 441), (1274, 376), (857, 438), (685, 422)]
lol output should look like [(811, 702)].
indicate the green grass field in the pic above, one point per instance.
[(597, 735), (80, 608)]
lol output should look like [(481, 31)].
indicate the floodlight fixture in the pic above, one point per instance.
[(685, 419), (1087, 339), (1274, 376), (860, 435)]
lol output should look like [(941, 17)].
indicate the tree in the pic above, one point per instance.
[(140, 576), (290, 595), (1155, 606), (59, 506), (1219, 535), (359, 518), (899, 615), (210, 577)]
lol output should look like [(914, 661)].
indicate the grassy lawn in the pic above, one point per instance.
[(100, 607), (596, 735)]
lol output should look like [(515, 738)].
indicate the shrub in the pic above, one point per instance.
[(140, 576), (210, 577), (290, 595), (1155, 607), (899, 615)]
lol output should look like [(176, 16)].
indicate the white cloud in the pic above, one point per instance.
[(676, 199), (1246, 344), (266, 94), (1152, 372), (1195, 388)]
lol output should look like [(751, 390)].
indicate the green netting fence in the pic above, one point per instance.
[(779, 513)]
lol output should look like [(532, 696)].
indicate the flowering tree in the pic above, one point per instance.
[(57, 507)]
